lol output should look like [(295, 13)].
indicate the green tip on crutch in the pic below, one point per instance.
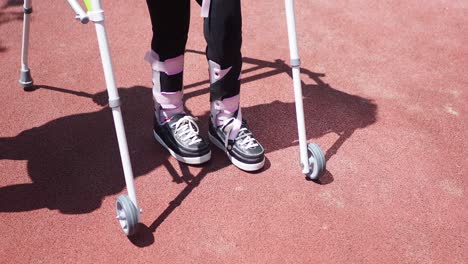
[(88, 4)]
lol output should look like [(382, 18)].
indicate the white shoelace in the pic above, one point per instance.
[(187, 129), (246, 139), (243, 138)]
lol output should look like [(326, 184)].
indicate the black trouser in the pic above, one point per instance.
[(223, 33)]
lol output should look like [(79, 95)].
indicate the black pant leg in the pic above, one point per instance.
[(223, 34), (170, 21)]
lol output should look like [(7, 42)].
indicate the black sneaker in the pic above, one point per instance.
[(179, 135), (245, 152)]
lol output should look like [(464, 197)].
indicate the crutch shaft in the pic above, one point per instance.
[(25, 75), (114, 101), (26, 25), (124, 154), (300, 120), (295, 64)]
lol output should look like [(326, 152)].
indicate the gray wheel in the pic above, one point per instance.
[(127, 214), (316, 161)]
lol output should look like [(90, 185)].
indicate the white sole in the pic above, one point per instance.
[(187, 160), (236, 162)]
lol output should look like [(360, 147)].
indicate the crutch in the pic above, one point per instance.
[(311, 156), (25, 74), (128, 212)]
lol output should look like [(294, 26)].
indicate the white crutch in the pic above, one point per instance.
[(311, 156), (25, 75), (128, 212)]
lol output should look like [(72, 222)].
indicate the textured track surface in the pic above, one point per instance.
[(385, 95)]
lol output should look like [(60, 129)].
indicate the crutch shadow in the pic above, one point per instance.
[(13, 3), (74, 162), (327, 109)]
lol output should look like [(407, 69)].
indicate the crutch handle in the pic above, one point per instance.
[(80, 13)]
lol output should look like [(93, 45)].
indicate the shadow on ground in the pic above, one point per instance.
[(7, 16), (74, 162)]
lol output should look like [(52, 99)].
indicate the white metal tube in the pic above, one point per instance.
[(25, 44), (300, 121), (294, 53), (291, 22), (124, 155), (81, 14), (113, 95), (106, 61)]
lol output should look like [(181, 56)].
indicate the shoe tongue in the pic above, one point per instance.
[(241, 132), (177, 117)]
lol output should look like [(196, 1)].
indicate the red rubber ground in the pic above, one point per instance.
[(385, 94)]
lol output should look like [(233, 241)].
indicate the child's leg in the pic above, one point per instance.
[(170, 23), (223, 34), (173, 129)]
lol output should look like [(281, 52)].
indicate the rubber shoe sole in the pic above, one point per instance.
[(187, 160)]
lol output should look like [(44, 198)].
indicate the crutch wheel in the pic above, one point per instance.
[(316, 161), (127, 214)]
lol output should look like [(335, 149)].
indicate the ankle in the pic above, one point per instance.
[(223, 110), (168, 104), (166, 114)]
